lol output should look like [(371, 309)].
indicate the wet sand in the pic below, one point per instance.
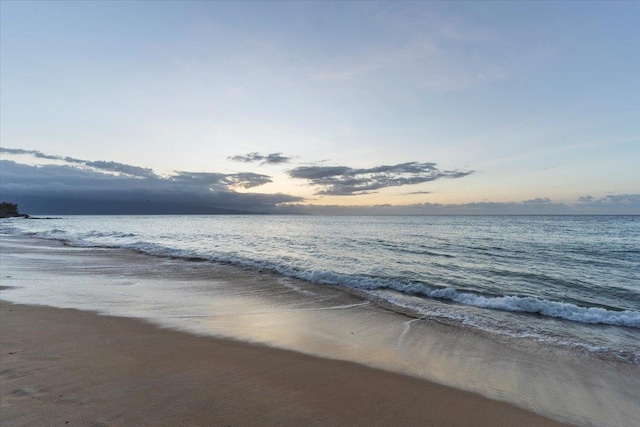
[(193, 360), (62, 366)]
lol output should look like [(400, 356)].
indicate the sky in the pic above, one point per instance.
[(320, 107)]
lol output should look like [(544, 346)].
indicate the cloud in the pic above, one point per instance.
[(537, 201), (422, 63), (101, 165), (620, 204), (95, 187), (318, 172), (234, 180), (269, 159), (585, 199), (247, 180), (620, 201), (343, 180), (621, 198)]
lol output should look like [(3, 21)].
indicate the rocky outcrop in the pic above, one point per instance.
[(10, 210)]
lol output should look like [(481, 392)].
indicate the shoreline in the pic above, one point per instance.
[(65, 365), (244, 305)]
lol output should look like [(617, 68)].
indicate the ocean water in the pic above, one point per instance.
[(567, 281)]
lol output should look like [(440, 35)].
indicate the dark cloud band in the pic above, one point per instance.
[(110, 187)]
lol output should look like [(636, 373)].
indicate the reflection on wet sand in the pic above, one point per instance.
[(225, 301)]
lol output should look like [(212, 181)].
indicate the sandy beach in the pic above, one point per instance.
[(63, 366), (195, 343)]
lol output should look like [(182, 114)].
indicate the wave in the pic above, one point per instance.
[(513, 303), (510, 303), (54, 234), (557, 309), (110, 234)]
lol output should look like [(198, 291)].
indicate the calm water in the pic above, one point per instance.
[(566, 281)]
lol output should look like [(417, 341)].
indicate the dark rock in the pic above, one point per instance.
[(10, 210)]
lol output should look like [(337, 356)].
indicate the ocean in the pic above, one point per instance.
[(571, 282)]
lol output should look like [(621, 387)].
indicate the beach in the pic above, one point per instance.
[(197, 343), (71, 367), (331, 213)]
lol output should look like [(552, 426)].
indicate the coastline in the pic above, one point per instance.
[(68, 366), (245, 305)]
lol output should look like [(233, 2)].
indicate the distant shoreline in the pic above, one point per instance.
[(60, 215)]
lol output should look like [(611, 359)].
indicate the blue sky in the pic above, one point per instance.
[(510, 101)]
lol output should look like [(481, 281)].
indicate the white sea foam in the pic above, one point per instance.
[(562, 310), (556, 309)]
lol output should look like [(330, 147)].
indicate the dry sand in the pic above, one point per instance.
[(68, 367)]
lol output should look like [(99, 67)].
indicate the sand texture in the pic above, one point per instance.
[(68, 367)]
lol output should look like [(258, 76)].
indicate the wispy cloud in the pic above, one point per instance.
[(228, 181), (269, 159), (424, 59), (102, 165), (418, 192), (343, 180)]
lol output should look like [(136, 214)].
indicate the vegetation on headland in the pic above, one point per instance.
[(10, 210)]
